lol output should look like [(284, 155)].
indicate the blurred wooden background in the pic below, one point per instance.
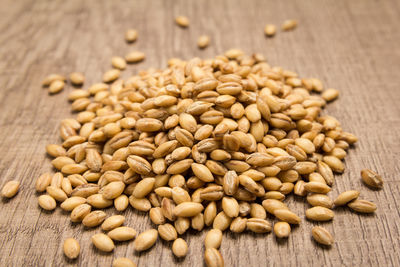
[(351, 45)]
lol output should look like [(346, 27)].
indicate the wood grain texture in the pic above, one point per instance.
[(351, 45)]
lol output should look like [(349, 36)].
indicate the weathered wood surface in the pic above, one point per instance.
[(351, 45)]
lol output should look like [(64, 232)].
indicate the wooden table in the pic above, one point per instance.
[(351, 45)]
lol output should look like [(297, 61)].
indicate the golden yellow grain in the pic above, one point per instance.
[(322, 236), (270, 30), (146, 240), (203, 41), (46, 202), (71, 248), (56, 86), (103, 242), (289, 25), (10, 189), (131, 35), (77, 78), (179, 248), (182, 21), (372, 179), (135, 57)]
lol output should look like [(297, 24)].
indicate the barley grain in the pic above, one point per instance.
[(346, 197), (180, 248), (146, 240), (131, 35), (282, 229), (56, 86), (203, 41), (319, 214), (182, 21), (47, 202), (80, 212), (167, 232), (112, 222), (94, 218), (372, 179), (77, 78), (71, 248), (103, 242), (71, 203), (135, 57), (362, 206), (122, 233), (322, 236), (270, 30), (287, 216)]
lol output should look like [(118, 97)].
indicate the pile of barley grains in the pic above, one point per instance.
[(215, 143)]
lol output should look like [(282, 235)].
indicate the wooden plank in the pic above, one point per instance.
[(350, 45)]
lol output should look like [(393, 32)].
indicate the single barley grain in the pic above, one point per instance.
[(118, 63), (77, 78), (289, 25), (372, 179), (80, 212), (182, 21), (257, 211), (213, 239), (111, 75), (259, 226), (112, 222), (167, 232), (330, 94), (72, 202), (222, 221), (46, 202), (320, 200), (145, 240), (287, 216), (122, 233), (238, 225), (103, 242), (272, 205), (270, 30), (322, 236), (282, 229), (188, 209), (10, 189), (230, 206), (113, 190), (57, 193), (179, 248), (362, 206), (203, 41), (71, 248), (55, 150), (346, 197), (56, 86), (317, 187), (121, 203), (319, 214), (131, 35), (134, 57), (94, 218)]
